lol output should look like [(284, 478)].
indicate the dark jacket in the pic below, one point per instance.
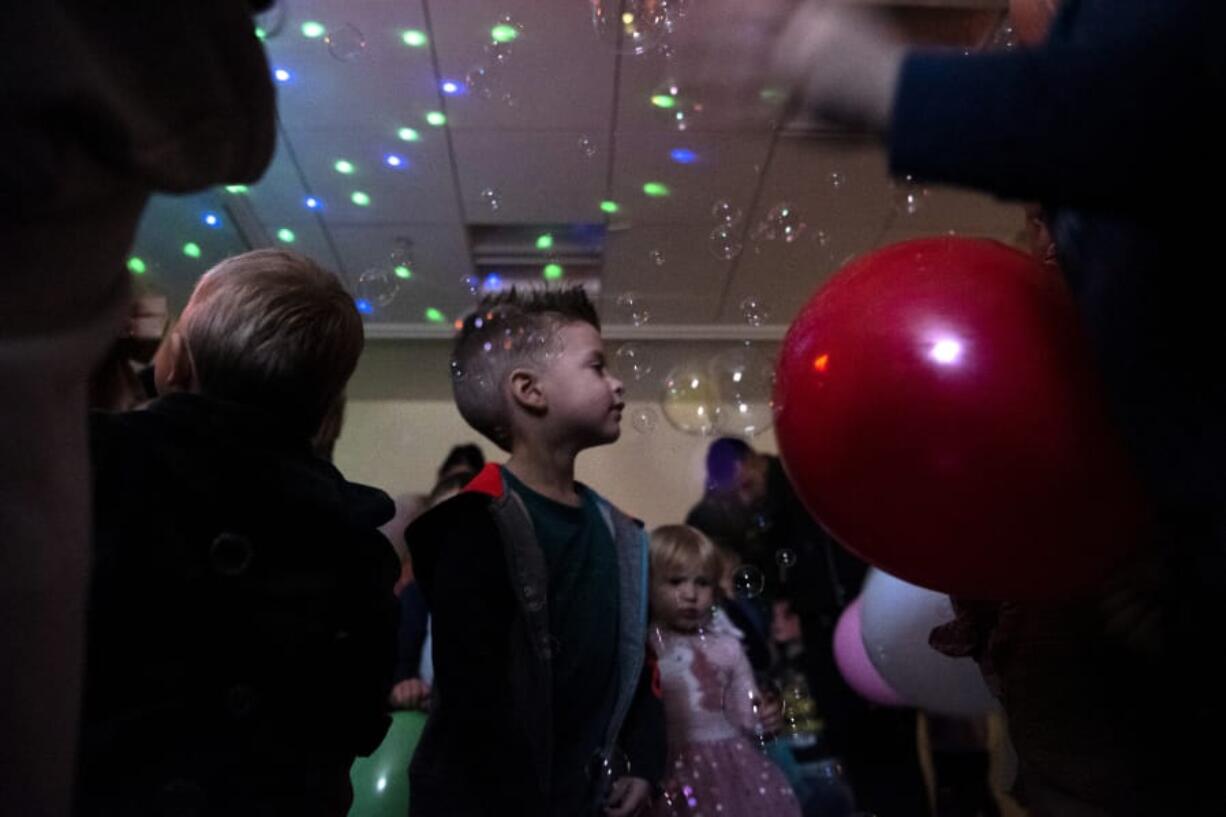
[(486, 748), (241, 618)]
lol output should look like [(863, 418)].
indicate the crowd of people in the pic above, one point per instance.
[(229, 642)]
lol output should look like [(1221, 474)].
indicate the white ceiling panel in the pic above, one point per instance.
[(698, 169), (569, 124), (536, 177), (419, 189), (554, 75)]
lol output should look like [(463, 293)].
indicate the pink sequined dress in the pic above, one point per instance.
[(714, 767)]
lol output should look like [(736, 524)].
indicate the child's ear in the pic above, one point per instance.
[(172, 365), (526, 391)]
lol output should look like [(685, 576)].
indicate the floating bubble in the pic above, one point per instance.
[(587, 146), (631, 26), (483, 81), (689, 400), (908, 196), (632, 362), (744, 381), (657, 257), (781, 222), (725, 212), (498, 53), (633, 308), (724, 242), (603, 770), (644, 420), (748, 581), (401, 259), (346, 42), (675, 104), (491, 199), (1005, 37), (377, 286), (754, 311)]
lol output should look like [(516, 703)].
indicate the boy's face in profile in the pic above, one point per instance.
[(584, 398)]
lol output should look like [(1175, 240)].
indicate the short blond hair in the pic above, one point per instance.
[(272, 329), (673, 545)]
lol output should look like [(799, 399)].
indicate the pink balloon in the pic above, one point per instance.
[(852, 659)]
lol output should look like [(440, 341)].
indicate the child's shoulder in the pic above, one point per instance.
[(457, 538), (467, 509), (614, 513)]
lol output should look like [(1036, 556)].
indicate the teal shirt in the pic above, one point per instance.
[(583, 599)]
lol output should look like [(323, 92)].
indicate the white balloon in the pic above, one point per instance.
[(896, 621)]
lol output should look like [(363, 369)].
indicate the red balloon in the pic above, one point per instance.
[(937, 411)]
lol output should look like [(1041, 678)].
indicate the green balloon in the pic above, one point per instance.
[(381, 781)]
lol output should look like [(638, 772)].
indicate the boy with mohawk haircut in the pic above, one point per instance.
[(545, 699)]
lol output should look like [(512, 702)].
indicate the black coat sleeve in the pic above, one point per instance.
[(1108, 108)]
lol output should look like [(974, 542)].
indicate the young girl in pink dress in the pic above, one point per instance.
[(711, 705)]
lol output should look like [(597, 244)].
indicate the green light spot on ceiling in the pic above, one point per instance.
[(504, 33), (552, 272), (360, 199), (137, 266), (664, 101), (313, 30), (656, 190), (436, 118), (402, 271), (344, 166), (191, 249), (434, 316), (414, 38), (544, 241), (408, 135), (286, 234), (261, 33), (236, 189), (609, 207)]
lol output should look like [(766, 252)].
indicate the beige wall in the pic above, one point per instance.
[(396, 445), (400, 423)]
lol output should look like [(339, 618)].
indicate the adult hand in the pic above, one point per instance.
[(839, 62), (742, 60)]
